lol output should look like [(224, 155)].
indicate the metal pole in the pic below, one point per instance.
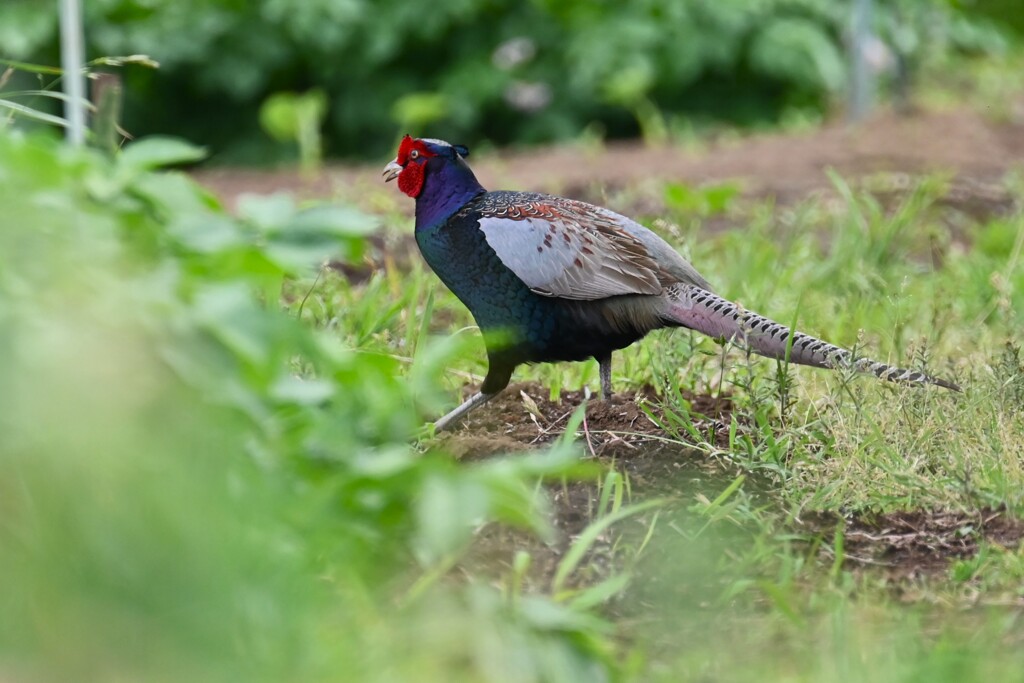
[(861, 79), (72, 57)]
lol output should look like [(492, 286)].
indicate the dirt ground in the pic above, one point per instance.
[(906, 547), (976, 154), (973, 149)]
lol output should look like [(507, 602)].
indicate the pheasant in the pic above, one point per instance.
[(553, 279)]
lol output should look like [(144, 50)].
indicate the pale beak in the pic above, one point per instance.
[(392, 170)]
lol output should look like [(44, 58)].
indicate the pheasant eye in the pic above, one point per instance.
[(415, 154)]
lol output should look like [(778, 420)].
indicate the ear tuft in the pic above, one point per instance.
[(462, 150)]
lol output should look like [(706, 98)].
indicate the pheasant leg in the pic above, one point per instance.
[(471, 403), (605, 367)]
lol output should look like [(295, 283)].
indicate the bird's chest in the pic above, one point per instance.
[(459, 255), (529, 326)]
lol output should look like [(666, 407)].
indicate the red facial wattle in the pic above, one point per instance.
[(412, 155), (410, 180)]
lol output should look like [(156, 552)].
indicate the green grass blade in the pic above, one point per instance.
[(34, 114), (586, 539)]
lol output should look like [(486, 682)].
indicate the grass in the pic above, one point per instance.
[(891, 281), (197, 484), (729, 585)]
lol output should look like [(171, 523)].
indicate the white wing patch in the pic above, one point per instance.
[(559, 257)]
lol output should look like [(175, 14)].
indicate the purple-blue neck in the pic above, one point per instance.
[(447, 187)]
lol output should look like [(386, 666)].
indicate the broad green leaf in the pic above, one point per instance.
[(310, 392), (158, 152), (230, 314), (334, 220), (266, 212), (417, 110), (551, 616), (799, 51), (206, 233), (448, 509), (284, 114)]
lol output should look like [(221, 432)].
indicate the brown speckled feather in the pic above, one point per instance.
[(573, 250)]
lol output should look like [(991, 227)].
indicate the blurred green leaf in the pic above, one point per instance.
[(159, 152), (799, 51), (448, 509), (206, 234), (710, 200), (266, 212), (630, 84), (340, 221), (997, 239), (416, 111), (284, 114), (297, 117), (310, 392)]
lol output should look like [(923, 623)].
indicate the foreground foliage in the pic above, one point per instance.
[(196, 485)]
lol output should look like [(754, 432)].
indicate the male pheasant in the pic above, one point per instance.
[(554, 279)]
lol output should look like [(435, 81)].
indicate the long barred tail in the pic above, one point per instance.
[(712, 315)]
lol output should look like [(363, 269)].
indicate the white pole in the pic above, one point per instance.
[(72, 56), (862, 84)]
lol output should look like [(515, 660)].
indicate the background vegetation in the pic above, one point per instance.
[(493, 70)]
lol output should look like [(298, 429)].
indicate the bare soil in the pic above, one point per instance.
[(616, 431), (909, 545), (904, 546), (525, 415), (975, 152)]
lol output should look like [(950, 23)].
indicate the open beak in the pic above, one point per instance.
[(392, 170)]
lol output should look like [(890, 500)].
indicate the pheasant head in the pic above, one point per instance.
[(418, 157), (435, 174)]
